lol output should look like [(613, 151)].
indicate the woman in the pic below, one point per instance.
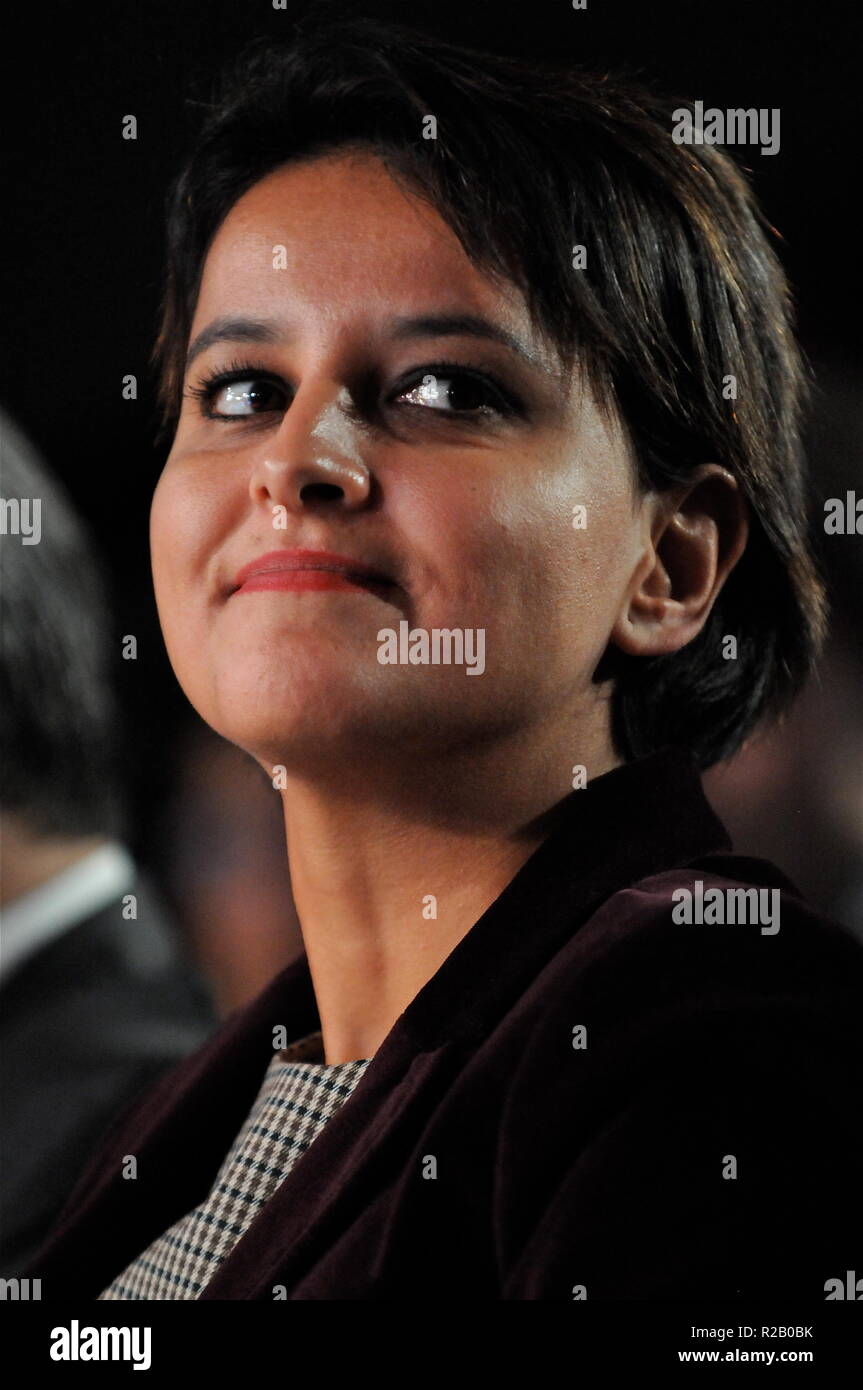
[(481, 532)]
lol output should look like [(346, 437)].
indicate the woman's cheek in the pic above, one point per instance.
[(180, 516), (174, 540), (160, 541)]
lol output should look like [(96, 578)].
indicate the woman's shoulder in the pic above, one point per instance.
[(719, 955), (681, 1037), (706, 920)]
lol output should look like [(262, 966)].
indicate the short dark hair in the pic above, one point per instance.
[(58, 717), (681, 290)]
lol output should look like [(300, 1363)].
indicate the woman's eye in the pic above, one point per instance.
[(251, 396), (244, 394), (455, 393)]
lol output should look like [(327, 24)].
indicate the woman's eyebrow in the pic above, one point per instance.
[(236, 330), (244, 330), (464, 326)]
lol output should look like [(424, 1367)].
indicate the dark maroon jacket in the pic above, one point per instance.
[(608, 1168)]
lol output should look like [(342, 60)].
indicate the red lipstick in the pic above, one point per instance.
[(309, 570)]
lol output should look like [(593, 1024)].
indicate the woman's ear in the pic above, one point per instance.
[(694, 535)]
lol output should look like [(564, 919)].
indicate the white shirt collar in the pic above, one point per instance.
[(30, 921)]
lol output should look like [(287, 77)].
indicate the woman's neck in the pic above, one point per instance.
[(387, 879)]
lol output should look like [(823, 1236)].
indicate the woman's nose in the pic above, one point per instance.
[(314, 457)]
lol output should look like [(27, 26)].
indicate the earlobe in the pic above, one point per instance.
[(697, 536)]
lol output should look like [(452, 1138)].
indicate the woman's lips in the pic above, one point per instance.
[(301, 579), (309, 570)]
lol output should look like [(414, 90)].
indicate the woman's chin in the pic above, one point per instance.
[(284, 728), (299, 714)]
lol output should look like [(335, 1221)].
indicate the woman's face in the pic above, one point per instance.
[(329, 294)]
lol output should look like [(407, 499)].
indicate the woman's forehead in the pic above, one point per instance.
[(339, 233)]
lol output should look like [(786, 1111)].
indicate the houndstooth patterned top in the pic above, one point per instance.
[(300, 1092)]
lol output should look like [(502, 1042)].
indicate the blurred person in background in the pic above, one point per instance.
[(96, 998)]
